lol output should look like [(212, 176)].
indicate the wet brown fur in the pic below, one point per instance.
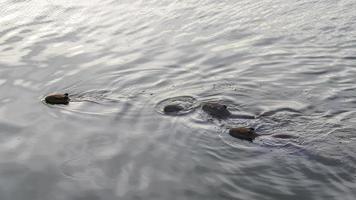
[(249, 134), (172, 109), (57, 99), (216, 110)]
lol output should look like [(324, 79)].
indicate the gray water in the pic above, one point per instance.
[(290, 64)]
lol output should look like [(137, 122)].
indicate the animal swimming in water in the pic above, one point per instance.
[(243, 133), (57, 98), (249, 134), (171, 109), (216, 110)]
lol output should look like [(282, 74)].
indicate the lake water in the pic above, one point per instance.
[(291, 65)]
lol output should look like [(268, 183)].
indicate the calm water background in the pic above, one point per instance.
[(292, 64)]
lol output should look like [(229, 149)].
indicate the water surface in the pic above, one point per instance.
[(290, 64)]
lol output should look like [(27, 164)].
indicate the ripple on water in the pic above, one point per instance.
[(95, 102), (83, 164), (188, 104), (292, 66)]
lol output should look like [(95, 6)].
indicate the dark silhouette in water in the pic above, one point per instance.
[(216, 110), (243, 133), (57, 99), (249, 134), (172, 109), (284, 136)]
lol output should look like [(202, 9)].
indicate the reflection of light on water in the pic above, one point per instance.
[(87, 108), (85, 163), (71, 3), (245, 53), (2, 81), (26, 84), (73, 11), (11, 144)]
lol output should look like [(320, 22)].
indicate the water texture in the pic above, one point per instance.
[(289, 64)]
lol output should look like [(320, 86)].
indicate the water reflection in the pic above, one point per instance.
[(282, 68)]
